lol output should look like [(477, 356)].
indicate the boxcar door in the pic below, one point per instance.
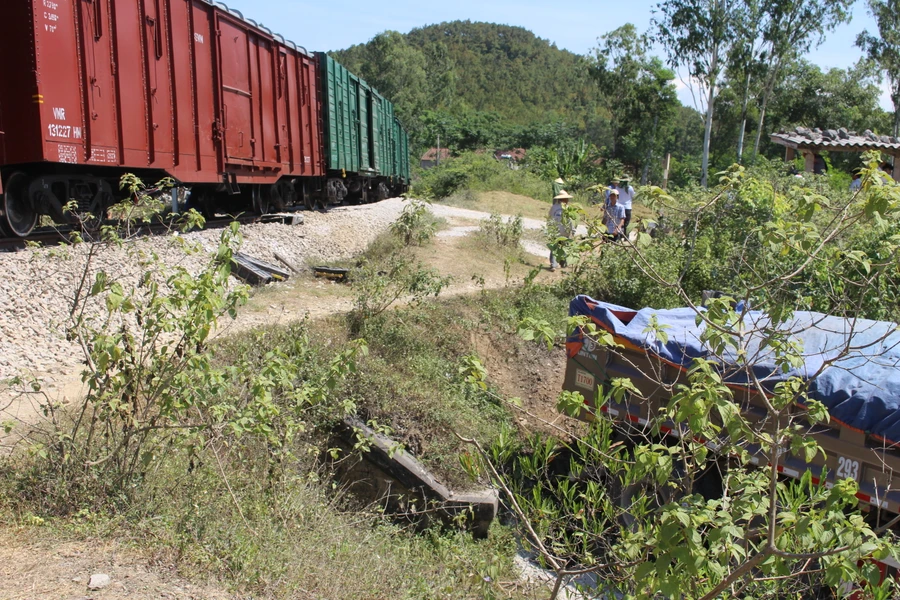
[(283, 140), (160, 120), (365, 157), (100, 132), (374, 131), (237, 99), (311, 117)]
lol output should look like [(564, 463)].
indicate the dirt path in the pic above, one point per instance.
[(33, 567), (35, 285)]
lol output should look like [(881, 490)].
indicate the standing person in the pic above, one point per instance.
[(856, 183), (560, 202), (609, 188), (558, 186), (614, 215), (626, 195)]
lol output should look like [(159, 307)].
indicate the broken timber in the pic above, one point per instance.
[(256, 272), (387, 474)]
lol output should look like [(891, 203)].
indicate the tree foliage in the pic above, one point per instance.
[(835, 98), (788, 29), (638, 92), (884, 50), (470, 86), (675, 508), (699, 35), (477, 68)]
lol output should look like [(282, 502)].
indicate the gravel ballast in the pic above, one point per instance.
[(38, 284)]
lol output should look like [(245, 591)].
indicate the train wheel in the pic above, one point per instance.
[(19, 216), (308, 201), (282, 195), (202, 199), (261, 199)]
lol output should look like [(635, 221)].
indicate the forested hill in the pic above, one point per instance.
[(483, 67), (484, 85)]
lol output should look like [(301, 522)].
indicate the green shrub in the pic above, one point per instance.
[(502, 232), (478, 172), (379, 284), (616, 276), (416, 225)]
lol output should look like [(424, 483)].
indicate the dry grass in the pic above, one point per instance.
[(470, 260), (501, 203)]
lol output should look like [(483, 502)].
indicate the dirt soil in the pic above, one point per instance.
[(534, 375), (34, 566)]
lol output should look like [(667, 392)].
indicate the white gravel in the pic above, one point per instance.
[(37, 285)]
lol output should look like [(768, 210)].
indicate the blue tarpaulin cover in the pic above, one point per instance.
[(853, 364)]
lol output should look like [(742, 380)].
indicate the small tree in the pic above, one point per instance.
[(699, 34), (655, 514), (884, 50), (789, 28), (153, 385)]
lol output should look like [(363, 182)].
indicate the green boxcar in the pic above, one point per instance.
[(365, 144), (345, 110), (402, 161)]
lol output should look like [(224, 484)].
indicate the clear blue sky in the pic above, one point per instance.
[(574, 25)]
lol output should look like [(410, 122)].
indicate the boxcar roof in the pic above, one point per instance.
[(236, 13)]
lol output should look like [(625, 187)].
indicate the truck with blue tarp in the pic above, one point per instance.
[(852, 366)]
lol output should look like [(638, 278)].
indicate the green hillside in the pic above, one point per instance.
[(473, 85), (484, 67)]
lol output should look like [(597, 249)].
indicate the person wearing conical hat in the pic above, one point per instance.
[(558, 186), (560, 201)]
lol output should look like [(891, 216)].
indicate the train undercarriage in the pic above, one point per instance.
[(83, 199)]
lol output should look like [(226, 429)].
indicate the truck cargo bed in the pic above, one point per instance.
[(852, 367)]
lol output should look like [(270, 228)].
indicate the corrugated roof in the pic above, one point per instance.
[(835, 139)]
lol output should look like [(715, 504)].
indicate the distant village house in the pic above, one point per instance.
[(808, 143), (434, 157), (512, 157)]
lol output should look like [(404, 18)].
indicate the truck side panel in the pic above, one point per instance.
[(848, 453)]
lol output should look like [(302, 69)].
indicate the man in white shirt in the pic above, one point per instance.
[(626, 195), (614, 215)]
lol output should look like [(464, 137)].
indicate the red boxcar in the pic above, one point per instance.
[(184, 88)]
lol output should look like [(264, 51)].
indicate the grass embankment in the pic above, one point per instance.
[(241, 491)]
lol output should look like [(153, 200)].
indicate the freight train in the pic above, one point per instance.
[(187, 89)]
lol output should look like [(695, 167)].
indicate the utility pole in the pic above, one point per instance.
[(666, 164)]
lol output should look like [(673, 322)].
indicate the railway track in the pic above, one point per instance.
[(53, 236)]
